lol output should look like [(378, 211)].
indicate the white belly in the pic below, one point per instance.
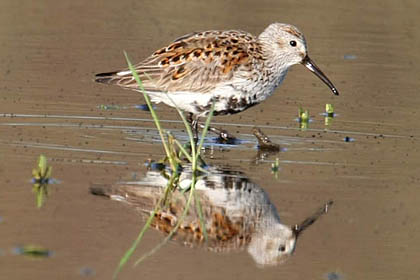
[(228, 98)]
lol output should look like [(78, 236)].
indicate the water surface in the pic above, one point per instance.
[(49, 105)]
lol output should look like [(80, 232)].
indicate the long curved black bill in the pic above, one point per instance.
[(297, 229), (308, 63)]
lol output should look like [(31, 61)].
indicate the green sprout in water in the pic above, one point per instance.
[(41, 178), (109, 107), (303, 118), (329, 114), (275, 168), (329, 109), (33, 251)]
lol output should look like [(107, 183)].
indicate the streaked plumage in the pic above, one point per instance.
[(233, 68)]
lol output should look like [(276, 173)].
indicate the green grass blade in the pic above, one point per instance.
[(188, 156), (184, 120), (40, 196), (188, 128), (152, 111), (183, 151), (205, 129)]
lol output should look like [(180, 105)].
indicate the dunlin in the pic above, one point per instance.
[(233, 69)]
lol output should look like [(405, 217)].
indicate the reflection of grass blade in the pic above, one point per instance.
[(133, 247), (173, 231), (40, 196), (200, 216), (172, 182)]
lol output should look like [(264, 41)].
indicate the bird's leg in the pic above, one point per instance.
[(194, 126), (190, 118)]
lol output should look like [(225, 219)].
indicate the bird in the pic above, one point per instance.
[(237, 213), (233, 69)]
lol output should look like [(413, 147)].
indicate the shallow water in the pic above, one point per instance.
[(49, 105)]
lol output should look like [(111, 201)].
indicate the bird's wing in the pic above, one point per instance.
[(195, 62)]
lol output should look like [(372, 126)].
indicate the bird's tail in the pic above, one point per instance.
[(100, 190), (107, 78)]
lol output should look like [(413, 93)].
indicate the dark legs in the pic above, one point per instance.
[(194, 125)]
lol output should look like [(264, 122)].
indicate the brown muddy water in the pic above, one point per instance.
[(49, 52)]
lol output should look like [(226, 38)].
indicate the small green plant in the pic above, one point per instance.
[(329, 114), (41, 178), (303, 118), (329, 110), (174, 150), (33, 251), (109, 107)]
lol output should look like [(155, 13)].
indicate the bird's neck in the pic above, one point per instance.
[(275, 63)]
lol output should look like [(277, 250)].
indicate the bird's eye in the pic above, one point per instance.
[(282, 248), (293, 43)]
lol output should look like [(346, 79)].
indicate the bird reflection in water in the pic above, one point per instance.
[(237, 213)]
